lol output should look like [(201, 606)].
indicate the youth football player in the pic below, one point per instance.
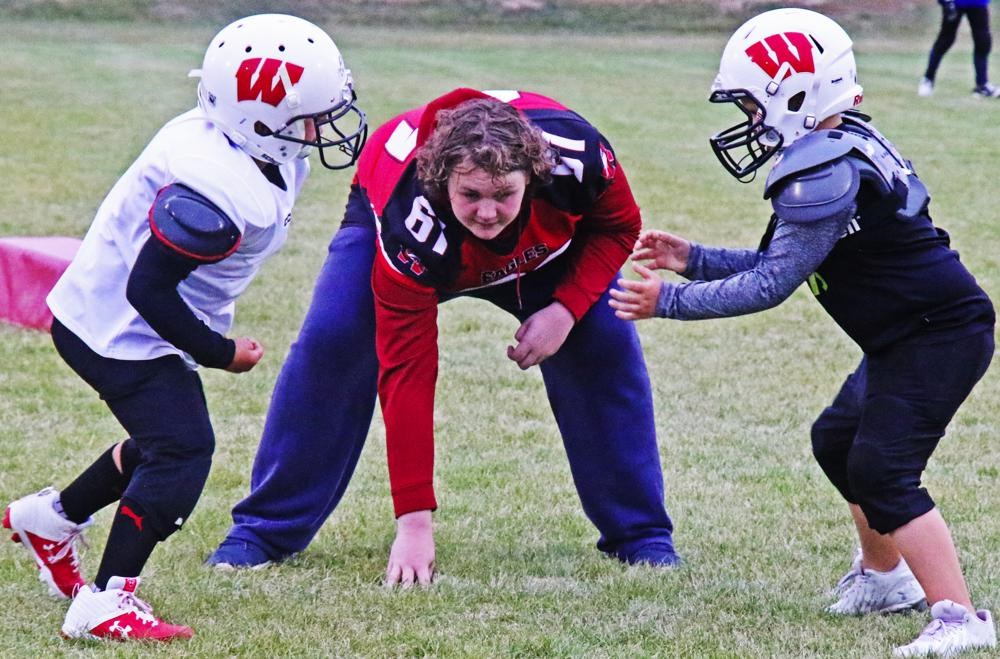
[(506, 196), (150, 296), (851, 219)]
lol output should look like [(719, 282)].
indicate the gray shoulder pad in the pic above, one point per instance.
[(818, 193), (191, 225), (813, 150)]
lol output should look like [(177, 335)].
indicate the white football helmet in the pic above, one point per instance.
[(787, 70), (265, 75)]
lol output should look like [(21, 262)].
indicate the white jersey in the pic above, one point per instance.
[(89, 299)]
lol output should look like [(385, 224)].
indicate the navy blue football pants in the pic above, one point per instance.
[(875, 439), (161, 405), (323, 401), (982, 41)]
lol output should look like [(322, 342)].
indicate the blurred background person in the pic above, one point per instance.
[(978, 14)]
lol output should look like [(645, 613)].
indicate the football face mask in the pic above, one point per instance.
[(744, 147), (340, 134)]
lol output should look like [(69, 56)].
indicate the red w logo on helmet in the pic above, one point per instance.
[(774, 54), (262, 79)]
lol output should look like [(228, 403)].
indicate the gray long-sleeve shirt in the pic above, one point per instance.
[(732, 282)]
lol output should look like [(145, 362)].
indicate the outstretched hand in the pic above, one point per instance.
[(411, 559), (662, 251), (248, 353), (636, 299), (541, 335)]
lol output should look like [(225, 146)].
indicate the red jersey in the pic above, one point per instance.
[(586, 213)]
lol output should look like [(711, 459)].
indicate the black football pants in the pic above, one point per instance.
[(161, 405), (874, 440)]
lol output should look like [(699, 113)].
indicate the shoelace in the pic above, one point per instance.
[(938, 628), (858, 591), (852, 574), (143, 611), (66, 547), (846, 581)]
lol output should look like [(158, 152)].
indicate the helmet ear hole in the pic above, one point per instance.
[(261, 129), (796, 101)]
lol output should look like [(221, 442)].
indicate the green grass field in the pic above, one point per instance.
[(763, 534)]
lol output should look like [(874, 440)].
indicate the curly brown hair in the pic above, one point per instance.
[(490, 134)]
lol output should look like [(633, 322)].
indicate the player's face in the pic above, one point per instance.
[(751, 108), (485, 204), (310, 130)]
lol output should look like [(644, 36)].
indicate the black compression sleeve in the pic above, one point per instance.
[(152, 291)]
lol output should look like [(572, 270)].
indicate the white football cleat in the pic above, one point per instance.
[(952, 629), (50, 538), (925, 88), (862, 591), (115, 613)]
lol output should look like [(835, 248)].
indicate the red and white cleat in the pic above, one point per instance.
[(50, 538), (115, 613)]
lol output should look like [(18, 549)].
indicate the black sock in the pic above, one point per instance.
[(100, 484), (130, 543)]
